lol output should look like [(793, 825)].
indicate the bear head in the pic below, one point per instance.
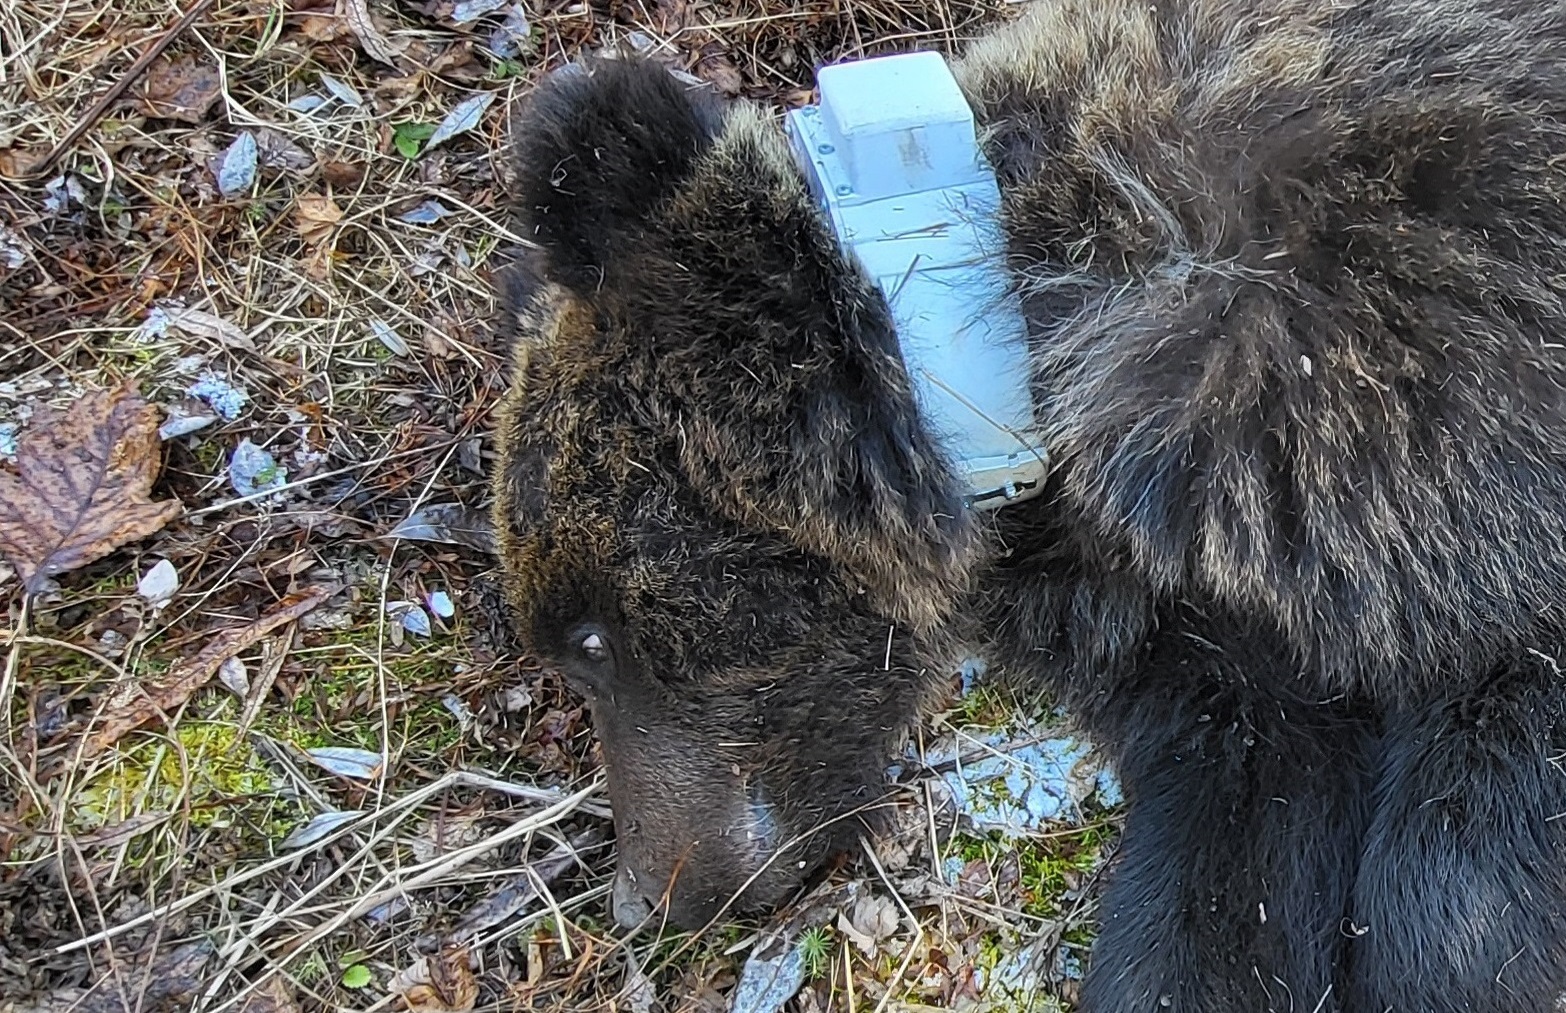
[(720, 517)]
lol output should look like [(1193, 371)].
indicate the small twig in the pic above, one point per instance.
[(423, 872), (915, 947), (93, 115)]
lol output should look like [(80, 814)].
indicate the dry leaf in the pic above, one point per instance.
[(17, 163), (181, 89), (115, 834), (323, 27), (638, 990), (82, 484), (315, 215), (452, 523), (467, 115), (189, 675), (317, 265), (503, 902), (342, 92), (199, 324), (375, 45), (443, 983), (345, 761), (872, 920), (721, 72), (278, 151), (171, 981), (319, 828), (159, 584), (342, 173), (276, 996)]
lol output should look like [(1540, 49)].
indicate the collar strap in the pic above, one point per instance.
[(892, 156)]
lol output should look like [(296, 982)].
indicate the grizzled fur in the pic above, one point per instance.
[(1294, 272)]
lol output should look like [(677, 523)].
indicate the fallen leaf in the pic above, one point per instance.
[(870, 921), (319, 828), (236, 169), (181, 89), (252, 470), (158, 584), (323, 27), (17, 163), (235, 677), (276, 996), (342, 173), (81, 487), (278, 151), (410, 617), (388, 336), (467, 115), (451, 523), (180, 423), (172, 981), (400, 89), (199, 324), (427, 213), (443, 983), (345, 761), (458, 708), (721, 72), (773, 974), (315, 215), (503, 902), (506, 41), (374, 44), (638, 990), (461, 63), (342, 92), (116, 834), (472, 10), (14, 247), (191, 674)]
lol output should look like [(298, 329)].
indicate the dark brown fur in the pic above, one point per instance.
[(1294, 276)]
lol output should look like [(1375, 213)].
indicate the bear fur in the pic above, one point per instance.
[(1294, 277)]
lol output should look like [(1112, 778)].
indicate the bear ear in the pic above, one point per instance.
[(598, 146)]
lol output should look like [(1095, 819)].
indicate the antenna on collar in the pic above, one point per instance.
[(892, 156)]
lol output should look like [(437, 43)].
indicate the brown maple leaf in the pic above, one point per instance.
[(179, 88), (81, 486), (314, 215), (442, 983)]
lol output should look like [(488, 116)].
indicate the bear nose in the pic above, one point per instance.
[(631, 907)]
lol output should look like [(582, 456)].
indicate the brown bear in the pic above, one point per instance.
[(1293, 274)]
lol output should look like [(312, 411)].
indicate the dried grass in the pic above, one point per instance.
[(156, 872)]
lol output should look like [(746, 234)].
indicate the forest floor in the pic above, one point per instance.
[(264, 744)]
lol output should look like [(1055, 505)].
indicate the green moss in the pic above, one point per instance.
[(118, 583), (205, 769), (311, 969), (997, 705), (210, 455), (816, 946), (340, 702), (1045, 865)]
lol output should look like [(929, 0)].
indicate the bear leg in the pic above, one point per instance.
[(1460, 903), (1247, 813)]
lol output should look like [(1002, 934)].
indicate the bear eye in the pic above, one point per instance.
[(593, 648)]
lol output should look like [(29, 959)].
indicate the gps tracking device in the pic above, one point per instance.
[(892, 156)]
